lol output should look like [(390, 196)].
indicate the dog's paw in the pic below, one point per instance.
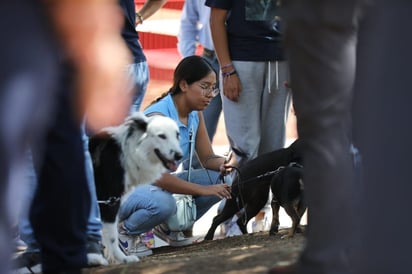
[(300, 229), (287, 236), (130, 259), (274, 231), (94, 259)]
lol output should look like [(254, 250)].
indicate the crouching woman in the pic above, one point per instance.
[(149, 206)]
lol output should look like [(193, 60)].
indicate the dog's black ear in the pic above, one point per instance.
[(137, 123), (296, 149), (140, 123)]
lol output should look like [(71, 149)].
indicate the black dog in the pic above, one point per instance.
[(250, 188), (287, 190)]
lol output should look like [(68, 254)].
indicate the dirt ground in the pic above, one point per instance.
[(252, 253)]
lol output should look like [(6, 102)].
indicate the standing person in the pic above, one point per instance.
[(138, 71), (252, 72), (381, 99), (77, 64), (382, 132), (253, 69), (150, 205), (194, 30), (321, 39)]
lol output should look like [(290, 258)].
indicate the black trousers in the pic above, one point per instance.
[(383, 134), (61, 204), (321, 38), (354, 227)]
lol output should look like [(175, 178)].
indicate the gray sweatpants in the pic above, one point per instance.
[(257, 122)]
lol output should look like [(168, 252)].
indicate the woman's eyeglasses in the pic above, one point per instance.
[(209, 91)]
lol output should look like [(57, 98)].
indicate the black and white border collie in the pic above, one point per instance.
[(133, 153)]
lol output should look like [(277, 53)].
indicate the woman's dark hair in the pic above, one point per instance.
[(191, 69)]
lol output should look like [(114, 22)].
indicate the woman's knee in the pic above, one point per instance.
[(163, 204)]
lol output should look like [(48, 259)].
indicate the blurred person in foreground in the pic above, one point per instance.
[(321, 42), (49, 60), (329, 42)]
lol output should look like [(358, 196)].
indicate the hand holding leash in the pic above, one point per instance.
[(227, 166)]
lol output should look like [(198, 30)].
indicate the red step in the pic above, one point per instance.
[(170, 4), (162, 63)]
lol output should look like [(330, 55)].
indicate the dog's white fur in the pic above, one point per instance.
[(141, 166)]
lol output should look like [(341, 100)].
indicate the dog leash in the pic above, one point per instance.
[(191, 143), (112, 201), (270, 173)]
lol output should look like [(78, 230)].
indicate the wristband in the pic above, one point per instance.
[(227, 66), (139, 17), (227, 74)]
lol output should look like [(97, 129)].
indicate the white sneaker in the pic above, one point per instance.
[(171, 237), (133, 245)]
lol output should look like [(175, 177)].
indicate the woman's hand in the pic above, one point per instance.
[(219, 190), (228, 164), (232, 87)]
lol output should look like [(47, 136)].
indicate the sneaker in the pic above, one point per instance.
[(94, 247), (148, 239), (171, 237), (133, 245), (19, 245), (95, 256)]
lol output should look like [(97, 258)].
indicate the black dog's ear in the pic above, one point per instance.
[(296, 149)]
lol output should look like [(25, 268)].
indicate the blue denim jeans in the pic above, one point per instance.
[(149, 205), (139, 75), (212, 113), (94, 225)]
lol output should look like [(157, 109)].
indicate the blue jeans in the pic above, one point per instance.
[(214, 109), (94, 225), (139, 75), (149, 205)]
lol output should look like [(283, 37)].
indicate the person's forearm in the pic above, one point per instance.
[(150, 7), (89, 33), (214, 162), (82, 24), (219, 37), (174, 184)]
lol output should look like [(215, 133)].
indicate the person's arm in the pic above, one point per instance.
[(231, 83), (205, 151), (149, 8), (188, 31), (89, 32), (174, 184)]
